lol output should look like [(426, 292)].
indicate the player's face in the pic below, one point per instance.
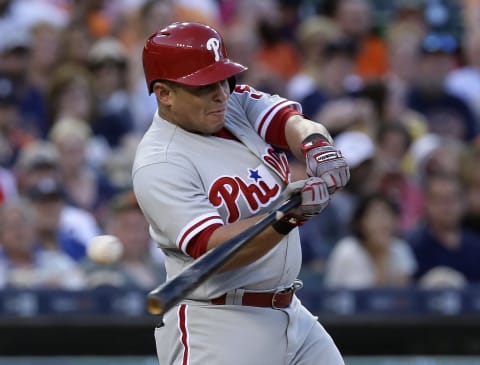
[(199, 109)]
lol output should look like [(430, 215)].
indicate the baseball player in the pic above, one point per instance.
[(211, 164)]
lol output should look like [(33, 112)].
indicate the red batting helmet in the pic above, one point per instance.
[(187, 53)]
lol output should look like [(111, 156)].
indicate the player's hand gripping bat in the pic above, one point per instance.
[(167, 295)]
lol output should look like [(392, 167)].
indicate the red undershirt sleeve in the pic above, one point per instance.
[(198, 244), (276, 130)]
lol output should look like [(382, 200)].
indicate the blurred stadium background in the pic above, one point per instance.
[(401, 326)]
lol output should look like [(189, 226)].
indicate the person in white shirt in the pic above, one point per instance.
[(372, 256), (464, 82)]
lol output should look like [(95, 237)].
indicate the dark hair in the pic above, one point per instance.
[(363, 205), (394, 127), (340, 47)]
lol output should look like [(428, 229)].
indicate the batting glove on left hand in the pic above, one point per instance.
[(315, 198), (325, 161)]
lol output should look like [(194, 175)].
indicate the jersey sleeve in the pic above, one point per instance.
[(265, 112), (174, 203)]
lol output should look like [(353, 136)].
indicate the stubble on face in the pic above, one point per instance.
[(199, 109)]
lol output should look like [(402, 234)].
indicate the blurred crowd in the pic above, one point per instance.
[(398, 87)]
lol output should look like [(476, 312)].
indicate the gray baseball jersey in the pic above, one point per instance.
[(187, 182)]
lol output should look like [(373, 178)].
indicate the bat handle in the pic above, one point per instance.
[(294, 201)]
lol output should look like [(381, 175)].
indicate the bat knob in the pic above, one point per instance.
[(155, 306)]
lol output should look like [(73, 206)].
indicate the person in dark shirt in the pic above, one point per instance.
[(441, 240), (446, 113), (338, 65), (47, 200)]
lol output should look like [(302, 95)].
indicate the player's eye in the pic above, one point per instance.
[(207, 89), (213, 87)]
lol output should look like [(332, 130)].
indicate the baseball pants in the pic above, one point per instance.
[(196, 333)]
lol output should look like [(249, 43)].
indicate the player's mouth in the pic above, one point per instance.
[(219, 112)]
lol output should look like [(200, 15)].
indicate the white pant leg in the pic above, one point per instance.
[(220, 335), (239, 335), (308, 342)]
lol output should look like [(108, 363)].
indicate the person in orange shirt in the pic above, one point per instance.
[(276, 53), (354, 18)]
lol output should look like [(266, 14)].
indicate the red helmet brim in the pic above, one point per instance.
[(216, 72)]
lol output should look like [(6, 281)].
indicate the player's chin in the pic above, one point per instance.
[(216, 121)]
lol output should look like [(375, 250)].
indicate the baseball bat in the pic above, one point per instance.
[(165, 296)]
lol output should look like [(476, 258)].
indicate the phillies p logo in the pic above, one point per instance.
[(213, 44)]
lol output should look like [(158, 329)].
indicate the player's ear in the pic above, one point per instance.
[(163, 92)]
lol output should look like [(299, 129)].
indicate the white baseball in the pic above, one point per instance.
[(105, 249)]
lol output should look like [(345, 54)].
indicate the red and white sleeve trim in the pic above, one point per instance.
[(194, 227), (263, 122)]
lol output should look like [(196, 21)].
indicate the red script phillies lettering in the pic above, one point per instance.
[(226, 190)]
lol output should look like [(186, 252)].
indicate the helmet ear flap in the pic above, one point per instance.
[(150, 87), (232, 81)]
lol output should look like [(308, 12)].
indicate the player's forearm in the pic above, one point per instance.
[(297, 129), (258, 247)]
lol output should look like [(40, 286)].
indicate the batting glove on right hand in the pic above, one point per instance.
[(315, 198), (325, 161)]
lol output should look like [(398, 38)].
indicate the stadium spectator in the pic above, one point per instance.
[(23, 264), (136, 267), (470, 175), (8, 187), (46, 199), (12, 137), (36, 161), (403, 37), (409, 13), (44, 53), (403, 42), (85, 186), (434, 154), (355, 20), (393, 179), (15, 48), (118, 164), (446, 113), (373, 255), (441, 241), (334, 74), (276, 58), (359, 150), (331, 100), (39, 161), (70, 94), (311, 36), (108, 63), (318, 239), (152, 15), (75, 42), (464, 81)]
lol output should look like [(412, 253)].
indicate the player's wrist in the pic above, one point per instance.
[(285, 225), (313, 141)]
